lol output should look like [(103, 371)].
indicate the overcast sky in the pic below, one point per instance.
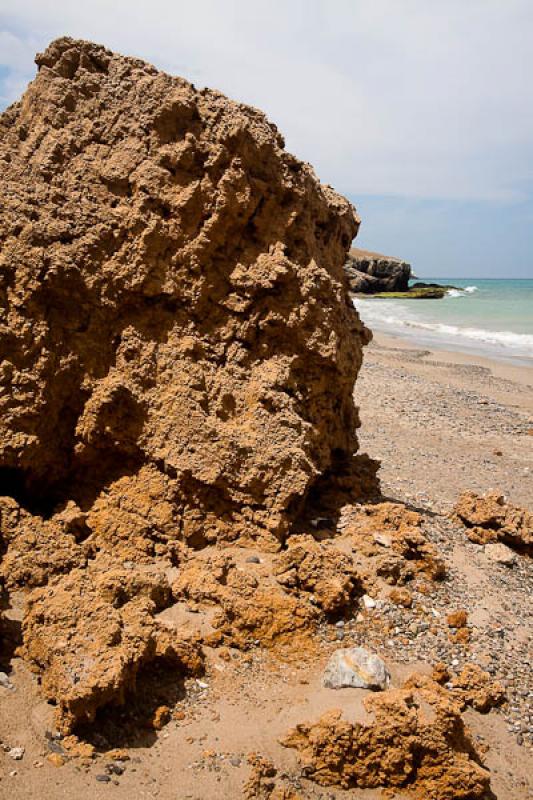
[(420, 111)]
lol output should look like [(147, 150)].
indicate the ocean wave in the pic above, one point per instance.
[(524, 341), (392, 317), (461, 292)]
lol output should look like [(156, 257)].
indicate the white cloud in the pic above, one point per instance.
[(406, 97)]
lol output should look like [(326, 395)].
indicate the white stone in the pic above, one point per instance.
[(383, 539), (368, 601), (500, 553), (16, 753), (5, 682), (357, 668)]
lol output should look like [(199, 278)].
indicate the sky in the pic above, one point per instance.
[(420, 112)]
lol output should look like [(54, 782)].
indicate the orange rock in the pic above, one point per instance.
[(56, 759), (401, 597), (417, 740), (457, 619), (489, 518), (161, 716)]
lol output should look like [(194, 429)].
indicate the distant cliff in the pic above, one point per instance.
[(369, 273)]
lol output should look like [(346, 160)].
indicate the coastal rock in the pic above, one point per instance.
[(174, 305), (318, 568), (88, 634), (357, 668), (489, 518), (417, 740), (369, 273)]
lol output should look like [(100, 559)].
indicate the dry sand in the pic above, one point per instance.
[(436, 421), (442, 422)]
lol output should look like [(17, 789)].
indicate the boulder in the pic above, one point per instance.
[(175, 315)]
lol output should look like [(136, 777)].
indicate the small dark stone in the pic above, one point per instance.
[(253, 560), (116, 769), (55, 747), (103, 778)]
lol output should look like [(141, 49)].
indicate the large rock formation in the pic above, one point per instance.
[(178, 352), (176, 330), (369, 272)]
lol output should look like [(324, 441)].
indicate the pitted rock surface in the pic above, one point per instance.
[(176, 328)]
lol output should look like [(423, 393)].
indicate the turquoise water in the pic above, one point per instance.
[(489, 317)]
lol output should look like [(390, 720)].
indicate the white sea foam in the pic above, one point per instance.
[(399, 318), (470, 289)]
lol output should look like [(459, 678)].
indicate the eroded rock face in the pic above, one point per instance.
[(177, 358), (175, 318)]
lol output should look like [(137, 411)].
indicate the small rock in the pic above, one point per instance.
[(5, 682), (357, 668), (368, 601), (16, 753), (383, 539), (401, 597), (103, 778), (161, 717), (56, 759), (253, 560), (457, 619), (235, 762), (55, 747), (202, 684), (500, 553)]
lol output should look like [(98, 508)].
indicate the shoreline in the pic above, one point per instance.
[(509, 369), (442, 422)]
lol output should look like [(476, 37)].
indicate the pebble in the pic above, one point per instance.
[(368, 601), (253, 560), (103, 778), (16, 753), (202, 684)]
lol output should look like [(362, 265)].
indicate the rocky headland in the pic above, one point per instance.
[(370, 273), (204, 589)]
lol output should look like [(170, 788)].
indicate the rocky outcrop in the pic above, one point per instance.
[(417, 741), (89, 634), (174, 307), (489, 519), (178, 355), (369, 273)]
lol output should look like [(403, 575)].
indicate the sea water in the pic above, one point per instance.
[(493, 318)]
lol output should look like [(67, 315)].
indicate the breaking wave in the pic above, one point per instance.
[(394, 318)]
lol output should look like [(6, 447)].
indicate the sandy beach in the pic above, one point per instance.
[(442, 422)]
